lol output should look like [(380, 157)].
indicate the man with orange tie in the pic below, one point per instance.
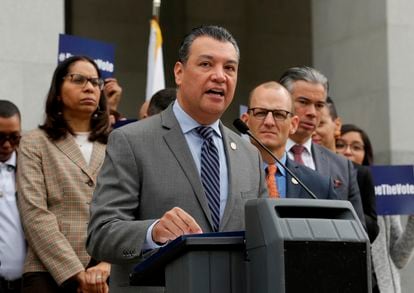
[(271, 119)]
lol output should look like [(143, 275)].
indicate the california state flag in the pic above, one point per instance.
[(155, 65)]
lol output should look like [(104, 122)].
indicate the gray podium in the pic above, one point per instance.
[(289, 246), (297, 245)]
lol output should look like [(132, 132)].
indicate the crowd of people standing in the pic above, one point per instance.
[(80, 201)]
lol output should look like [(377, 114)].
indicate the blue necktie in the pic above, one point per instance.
[(210, 173)]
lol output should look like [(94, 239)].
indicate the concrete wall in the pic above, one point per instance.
[(272, 35), (350, 46), (401, 73), (365, 48), (28, 53)]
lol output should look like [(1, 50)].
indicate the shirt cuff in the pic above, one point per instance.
[(149, 243)]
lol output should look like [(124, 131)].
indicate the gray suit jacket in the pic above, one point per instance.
[(343, 173), (149, 169), (321, 186)]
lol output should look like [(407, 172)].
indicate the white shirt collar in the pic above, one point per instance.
[(187, 123), (11, 161)]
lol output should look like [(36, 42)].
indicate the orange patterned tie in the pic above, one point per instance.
[(271, 181)]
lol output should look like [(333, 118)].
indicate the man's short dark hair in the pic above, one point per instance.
[(216, 32), (8, 109), (304, 73), (160, 100), (332, 108)]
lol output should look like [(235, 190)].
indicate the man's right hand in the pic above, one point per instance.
[(174, 223)]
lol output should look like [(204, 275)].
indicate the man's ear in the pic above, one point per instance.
[(178, 72), (338, 125), (294, 123), (245, 118)]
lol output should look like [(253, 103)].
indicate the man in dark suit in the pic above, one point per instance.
[(270, 118), (309, 90), (152, 187)]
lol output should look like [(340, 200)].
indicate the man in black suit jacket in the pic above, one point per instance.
[(309, 90), (270, 118)]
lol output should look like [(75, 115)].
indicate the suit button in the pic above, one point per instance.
[(90, 183)]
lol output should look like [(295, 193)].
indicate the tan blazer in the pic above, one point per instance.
[(55, 187)]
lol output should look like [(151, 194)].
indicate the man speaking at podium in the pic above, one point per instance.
[(271, 119), (178, 172)]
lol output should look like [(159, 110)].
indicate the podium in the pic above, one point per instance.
[(296, 245), (289, 246), (202, 263)]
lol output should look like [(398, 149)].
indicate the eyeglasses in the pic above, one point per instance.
[(355, 147), (13, 138), (81, 80), (261, 113)]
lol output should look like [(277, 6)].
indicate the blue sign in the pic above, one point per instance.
[(102, 53), (394, 189)]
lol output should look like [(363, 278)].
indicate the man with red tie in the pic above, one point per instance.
[(309, 90)]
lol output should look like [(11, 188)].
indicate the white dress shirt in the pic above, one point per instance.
[(306, 155), (12, 241)]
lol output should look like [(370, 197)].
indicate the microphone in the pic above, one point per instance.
[(244, 129)]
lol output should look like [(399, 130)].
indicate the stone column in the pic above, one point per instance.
[(29, 32), (351, 47)]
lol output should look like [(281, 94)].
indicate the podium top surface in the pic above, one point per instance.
[(149, 271)]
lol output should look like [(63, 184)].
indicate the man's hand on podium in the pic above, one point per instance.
[(174, 223)]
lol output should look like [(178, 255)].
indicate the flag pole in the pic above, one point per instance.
[(156, 5), (155, 64)]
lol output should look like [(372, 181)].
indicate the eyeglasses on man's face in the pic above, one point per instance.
[(355, 147), (81, 80), (261, 113), (12, 138)]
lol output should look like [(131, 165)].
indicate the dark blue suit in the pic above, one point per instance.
[(321, 186)]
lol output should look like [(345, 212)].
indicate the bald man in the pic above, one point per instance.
[(271, 119)]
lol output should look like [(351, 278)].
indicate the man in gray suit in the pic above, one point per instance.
[(309, 90), (271, 119), (151, 188)]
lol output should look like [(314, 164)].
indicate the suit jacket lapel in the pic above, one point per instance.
[(321, 162), (95, 164), (177, 143), (293, 190), (71, 150), (232, 162), (68, 146)]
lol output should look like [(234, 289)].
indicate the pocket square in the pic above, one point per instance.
[(337, 183)]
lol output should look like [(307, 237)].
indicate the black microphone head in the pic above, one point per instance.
[(241, 126)]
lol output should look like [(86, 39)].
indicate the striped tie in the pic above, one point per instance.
[(297, 151), (210, 173)]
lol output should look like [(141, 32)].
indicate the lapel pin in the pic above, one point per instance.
[(233, 145), (337, 183), (294, 181)]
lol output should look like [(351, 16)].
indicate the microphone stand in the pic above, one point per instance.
[(244, 129)]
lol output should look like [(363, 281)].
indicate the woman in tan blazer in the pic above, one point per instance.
[(57, 167)]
